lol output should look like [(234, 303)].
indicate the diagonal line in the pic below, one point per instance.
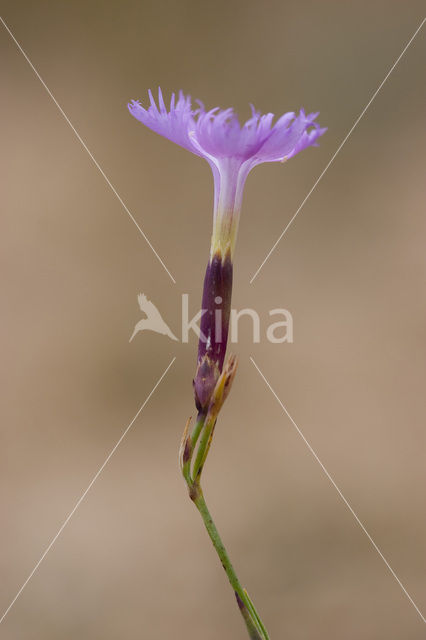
[(338, 490), (84, 494), (95, 162), (274, 246)]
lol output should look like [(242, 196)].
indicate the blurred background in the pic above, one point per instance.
[(135, 561)]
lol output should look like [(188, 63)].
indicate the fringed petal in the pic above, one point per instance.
[(217, 134), (174, 124)]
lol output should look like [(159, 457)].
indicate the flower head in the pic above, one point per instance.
[(232, 149)]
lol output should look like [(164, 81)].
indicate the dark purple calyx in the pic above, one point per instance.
[(214, 326)]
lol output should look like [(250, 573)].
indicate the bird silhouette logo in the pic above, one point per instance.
[(153, 320)]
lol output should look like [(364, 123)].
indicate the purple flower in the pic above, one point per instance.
[(232, 150)]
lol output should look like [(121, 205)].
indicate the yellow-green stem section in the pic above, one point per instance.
[(224, 235)]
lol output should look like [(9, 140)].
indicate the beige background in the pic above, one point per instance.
[(134, 561)]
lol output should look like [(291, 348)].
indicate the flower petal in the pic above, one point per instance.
[(174, 124)]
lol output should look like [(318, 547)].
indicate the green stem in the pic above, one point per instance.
[(197, 428), (255, 627), (203, 449), (256, 616), (186, 469)]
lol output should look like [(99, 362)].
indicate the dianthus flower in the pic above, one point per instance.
[(232, 150)]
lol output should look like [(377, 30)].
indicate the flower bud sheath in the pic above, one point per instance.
[(216, 306)]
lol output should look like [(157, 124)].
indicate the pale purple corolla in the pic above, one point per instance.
[(232, 150)]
